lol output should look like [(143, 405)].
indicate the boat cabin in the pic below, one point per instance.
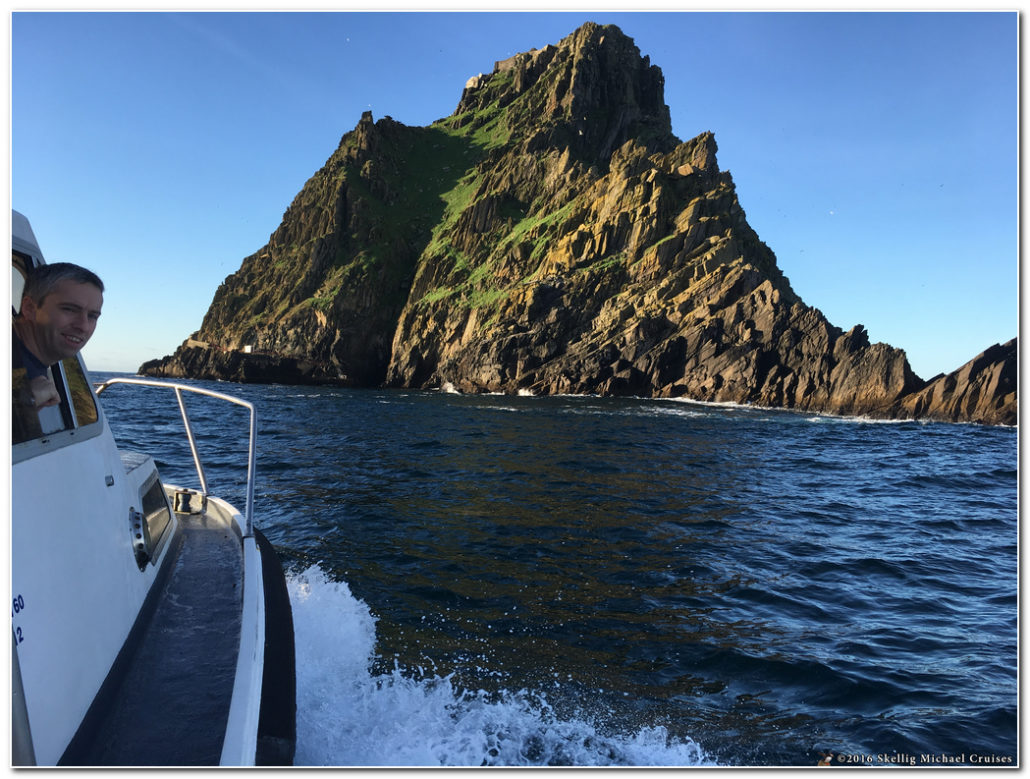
[(150, 622)]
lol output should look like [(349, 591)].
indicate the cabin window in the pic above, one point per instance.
[(79, 395), (19, 264), (77, 408), (36, 430), (155, 514)]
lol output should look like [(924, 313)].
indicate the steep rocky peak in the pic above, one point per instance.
[(590, 93), (608, 72)]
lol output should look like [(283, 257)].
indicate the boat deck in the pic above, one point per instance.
[(172, 701)]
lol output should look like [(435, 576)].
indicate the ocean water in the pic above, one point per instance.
[(582, 581)]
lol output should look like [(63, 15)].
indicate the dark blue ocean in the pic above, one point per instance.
[(498, 580)]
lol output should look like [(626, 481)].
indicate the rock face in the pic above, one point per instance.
[(551, 235), (983, 390)]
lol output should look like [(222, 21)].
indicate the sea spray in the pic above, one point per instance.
[(346, 716)]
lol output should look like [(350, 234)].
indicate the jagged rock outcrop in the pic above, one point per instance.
[(983, 390), (200, 362), (551, 235)]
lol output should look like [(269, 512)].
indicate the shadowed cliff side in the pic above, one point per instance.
[(320, 302), (552, 235)]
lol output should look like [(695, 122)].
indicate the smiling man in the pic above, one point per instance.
[(59, 311)]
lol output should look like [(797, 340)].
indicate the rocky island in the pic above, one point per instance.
[(553, 236)]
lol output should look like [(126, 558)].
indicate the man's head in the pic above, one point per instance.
[(59, 310)]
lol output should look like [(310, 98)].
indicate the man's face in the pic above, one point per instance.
[(65, 320)]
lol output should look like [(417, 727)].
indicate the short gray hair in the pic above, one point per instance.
[(43, 278)]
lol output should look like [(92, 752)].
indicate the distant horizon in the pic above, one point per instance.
[(874, 153)]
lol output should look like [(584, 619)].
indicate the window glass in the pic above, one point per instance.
[(77, 408), (25, 424), (79, 393), (155, 511), (19, 270)]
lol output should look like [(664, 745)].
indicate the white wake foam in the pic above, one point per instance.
[(346, 716)]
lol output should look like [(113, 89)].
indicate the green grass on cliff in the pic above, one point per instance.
[(474, 283), (487, 127), (404, 204), (538, 228)]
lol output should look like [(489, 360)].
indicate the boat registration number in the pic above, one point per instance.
[(17, 608)]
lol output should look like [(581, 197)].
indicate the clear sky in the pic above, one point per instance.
[(875, 153)]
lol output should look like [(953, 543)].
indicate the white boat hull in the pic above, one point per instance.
[(139, 620)]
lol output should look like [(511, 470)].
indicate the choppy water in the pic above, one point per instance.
[(492, 580)]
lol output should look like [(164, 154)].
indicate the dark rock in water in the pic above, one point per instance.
[(199, 362), (551, 235), (983, 390)]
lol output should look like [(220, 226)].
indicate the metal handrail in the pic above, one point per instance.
[(248, 529)]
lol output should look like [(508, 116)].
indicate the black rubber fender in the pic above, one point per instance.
[(277, 723)]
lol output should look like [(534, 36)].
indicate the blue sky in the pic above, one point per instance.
[(875, 153)]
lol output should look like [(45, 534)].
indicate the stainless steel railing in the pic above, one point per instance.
[(248, 529)]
